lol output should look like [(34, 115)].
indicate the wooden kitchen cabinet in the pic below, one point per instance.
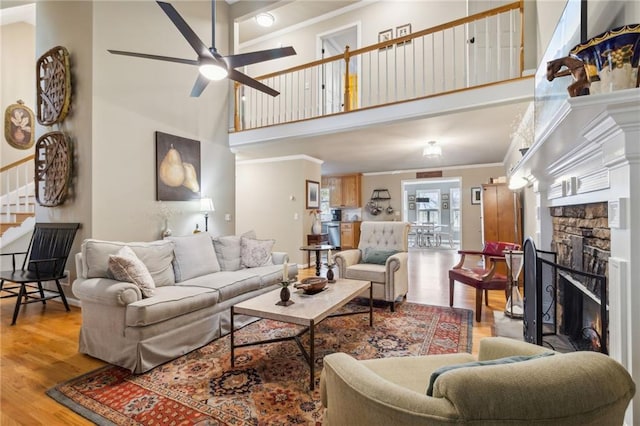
[(349, 235), (344, 190)]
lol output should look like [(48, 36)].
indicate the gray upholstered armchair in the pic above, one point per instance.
[(381, 257)]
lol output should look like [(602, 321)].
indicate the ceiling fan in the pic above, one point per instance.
[(214, 66)]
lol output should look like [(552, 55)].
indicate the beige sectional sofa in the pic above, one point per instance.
[(197, 279)]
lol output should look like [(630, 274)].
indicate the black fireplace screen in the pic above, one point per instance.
[(564, 308)]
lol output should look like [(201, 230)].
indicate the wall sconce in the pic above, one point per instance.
[(432, 150), (206, 206)]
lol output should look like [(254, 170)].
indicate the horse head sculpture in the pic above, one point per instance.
[(575, 68)]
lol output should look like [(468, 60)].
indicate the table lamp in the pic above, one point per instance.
[(206, 206)]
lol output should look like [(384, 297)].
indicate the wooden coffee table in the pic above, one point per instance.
[(307, 310)]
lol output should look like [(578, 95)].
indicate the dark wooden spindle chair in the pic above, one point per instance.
[(44, 260)]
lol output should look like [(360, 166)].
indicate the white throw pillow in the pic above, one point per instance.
[(194, 256), (125, 266), (254, 253)]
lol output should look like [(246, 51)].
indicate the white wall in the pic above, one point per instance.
[(263, 201), (135, 97), (117, 105), (17, 77), (68, 24), (471, 213), (376, 17)]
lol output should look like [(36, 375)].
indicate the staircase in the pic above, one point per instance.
[(17, 202)]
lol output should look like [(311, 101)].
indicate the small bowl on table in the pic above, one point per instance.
[(312, 285)]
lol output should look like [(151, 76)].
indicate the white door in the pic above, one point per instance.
[(332, 74)]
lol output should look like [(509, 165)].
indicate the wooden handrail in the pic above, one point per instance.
[(300, 105), (437, 28), (17, 163)]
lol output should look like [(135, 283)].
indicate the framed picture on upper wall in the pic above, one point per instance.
[(402, 31), (313, 194), (476, 195), (385, 35), (177, 168)]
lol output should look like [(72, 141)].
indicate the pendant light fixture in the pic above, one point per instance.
[(432, 150)]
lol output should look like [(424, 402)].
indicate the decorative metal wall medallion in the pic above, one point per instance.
[(18, 125), (53, 77), (52, 169)]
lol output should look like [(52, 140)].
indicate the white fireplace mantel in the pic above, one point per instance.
[(590, 152)]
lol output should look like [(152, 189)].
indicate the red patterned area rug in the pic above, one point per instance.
[(270, 384)]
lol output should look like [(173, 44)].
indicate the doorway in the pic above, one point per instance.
[(436, 202), (332, 74)]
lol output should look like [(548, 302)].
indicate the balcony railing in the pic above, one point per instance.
[(474, 51)]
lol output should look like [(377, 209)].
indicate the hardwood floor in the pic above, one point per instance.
[(42, 348)]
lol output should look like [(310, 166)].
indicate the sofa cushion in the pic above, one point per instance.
[(125, 266), (228, 283), (272, 274), (376, 256), (169, 302), (228, 250), (366, 272), (254, 253), (193, 256), (499, 361), (156, 256)]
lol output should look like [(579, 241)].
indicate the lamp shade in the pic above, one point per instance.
[(206, 205)]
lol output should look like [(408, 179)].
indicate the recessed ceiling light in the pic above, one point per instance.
[(265, 19)]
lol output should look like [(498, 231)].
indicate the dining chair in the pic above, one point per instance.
[(44, 260)]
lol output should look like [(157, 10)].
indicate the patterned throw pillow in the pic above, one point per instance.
[(254, 253), (228, 250), (126, 266)]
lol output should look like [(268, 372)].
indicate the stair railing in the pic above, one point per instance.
[(17, 188), (478, 50)]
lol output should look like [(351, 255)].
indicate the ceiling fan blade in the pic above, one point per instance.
[(199, 86), (245, 79), (156, 57), (243, 59), (185, 30)]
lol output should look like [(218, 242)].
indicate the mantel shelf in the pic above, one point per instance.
[(567, 134)]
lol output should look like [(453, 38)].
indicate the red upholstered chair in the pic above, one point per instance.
[(492, 277)]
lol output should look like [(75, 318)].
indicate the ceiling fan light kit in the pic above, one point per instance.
[(212, 65), (213, 71)]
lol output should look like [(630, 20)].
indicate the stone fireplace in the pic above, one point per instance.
[(585, 162)]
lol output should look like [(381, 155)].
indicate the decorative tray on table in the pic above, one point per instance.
[(312, 285)]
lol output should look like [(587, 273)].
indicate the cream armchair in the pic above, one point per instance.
[(577, 388), (381, 257)]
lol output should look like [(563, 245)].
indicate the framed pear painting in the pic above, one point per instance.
[(177, 168)]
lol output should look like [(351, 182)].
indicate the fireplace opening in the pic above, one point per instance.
[(565, 290), (564, 309)]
